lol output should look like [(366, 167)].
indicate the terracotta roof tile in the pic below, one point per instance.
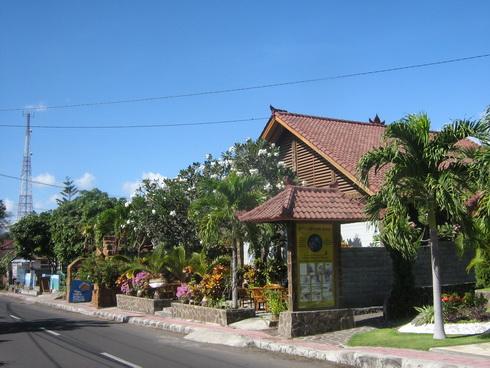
[(343, 140), (297, 203)]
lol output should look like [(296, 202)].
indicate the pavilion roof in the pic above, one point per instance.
[(297, 203)]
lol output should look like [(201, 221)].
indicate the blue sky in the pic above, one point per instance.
[(65, 52)]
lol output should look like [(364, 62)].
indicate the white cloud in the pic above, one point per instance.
[(45, 178), (9, 204), (52, 199), (86, 181), (37, 107), (130, 187)]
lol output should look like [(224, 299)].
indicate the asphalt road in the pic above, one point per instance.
[(36, 336)]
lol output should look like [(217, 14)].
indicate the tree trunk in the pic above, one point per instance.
[(439, 332), (234, 271), (240, 255)]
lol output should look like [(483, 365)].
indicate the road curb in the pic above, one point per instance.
[(346, 356)]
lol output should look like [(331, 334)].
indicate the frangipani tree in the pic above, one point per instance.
[(427, 173)]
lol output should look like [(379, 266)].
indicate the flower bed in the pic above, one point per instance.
[(143, 305), (223, 317)]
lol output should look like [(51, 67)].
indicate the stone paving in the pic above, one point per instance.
[(339, 338), (364, 323)]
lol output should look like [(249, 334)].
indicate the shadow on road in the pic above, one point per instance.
[(55, 324)]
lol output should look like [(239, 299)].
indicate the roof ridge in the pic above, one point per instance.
[(277, 112), (287, 205), (316, 189)]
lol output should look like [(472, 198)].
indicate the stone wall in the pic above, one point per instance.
[(144, 305), (305, 323), (366, 273), (222, 317)]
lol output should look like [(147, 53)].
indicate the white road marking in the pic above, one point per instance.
[(125, 362), (14, 317), (50, 332)]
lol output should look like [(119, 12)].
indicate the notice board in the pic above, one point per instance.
[(315, 265)]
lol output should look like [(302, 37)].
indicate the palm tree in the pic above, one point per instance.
[(215, 213), (425, 173)]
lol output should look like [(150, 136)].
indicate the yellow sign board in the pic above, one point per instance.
[(315, 262)]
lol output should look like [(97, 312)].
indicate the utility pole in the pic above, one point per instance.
[(25, 197)]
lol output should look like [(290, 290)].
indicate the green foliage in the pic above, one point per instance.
[(158, 214), (100, 270), (3, 216), (155, 262), (425, 315), (456, 308), (32, 236), (73, 224), (213, 289), (275, 301), (5, 260), (482, 273)]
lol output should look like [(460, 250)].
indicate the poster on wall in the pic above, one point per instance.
[(314, 244)]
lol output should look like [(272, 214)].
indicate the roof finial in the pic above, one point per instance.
[(274, 110), (377, 120)]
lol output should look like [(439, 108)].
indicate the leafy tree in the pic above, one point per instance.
[(3, 216), (426, 174), (69, 192), (73, 224), (215, 213), (111, 222), (480, 207), (32, 236), (158, 214)]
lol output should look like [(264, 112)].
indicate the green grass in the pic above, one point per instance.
[(485, 289), (390, 337)]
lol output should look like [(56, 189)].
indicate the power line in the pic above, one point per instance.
[(32, 181), (135, 126), (256, 87)]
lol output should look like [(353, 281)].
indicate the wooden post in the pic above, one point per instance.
[(337, 262), (292, 267)]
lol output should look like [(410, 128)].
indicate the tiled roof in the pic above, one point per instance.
[(297, 203), (343, 141)]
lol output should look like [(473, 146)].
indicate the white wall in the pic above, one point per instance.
[(358, 231)]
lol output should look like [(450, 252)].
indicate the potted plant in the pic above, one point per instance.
[(275, 303)]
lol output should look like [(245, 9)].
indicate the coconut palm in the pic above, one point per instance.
[(426, 173), (215, 213)]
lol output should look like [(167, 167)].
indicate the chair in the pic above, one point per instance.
[(258, 297)]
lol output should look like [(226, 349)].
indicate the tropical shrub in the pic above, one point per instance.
[(425, 315), (100, 270), (135, 284), (213, 288), (456, 308), (275, 302), (183, 293)]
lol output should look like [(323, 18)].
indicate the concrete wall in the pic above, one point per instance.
[(366, 273)]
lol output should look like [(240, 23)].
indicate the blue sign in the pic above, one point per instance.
[(80, 292)]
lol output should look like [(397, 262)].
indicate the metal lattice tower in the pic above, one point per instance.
[(25, 196)]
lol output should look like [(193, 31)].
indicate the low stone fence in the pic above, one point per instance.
[(305, 323), (223, 317), (144, 305)]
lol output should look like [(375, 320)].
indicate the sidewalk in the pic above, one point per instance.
[(322, 349)]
